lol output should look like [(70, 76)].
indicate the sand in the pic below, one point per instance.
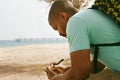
[(27, 62)]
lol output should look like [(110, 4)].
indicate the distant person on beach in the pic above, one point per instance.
[(84, 29)]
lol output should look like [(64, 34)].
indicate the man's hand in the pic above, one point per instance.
[(52, 70), (50, 73), (55, 69), (54, 66)]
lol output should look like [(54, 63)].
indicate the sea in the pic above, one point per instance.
[(22, 42)]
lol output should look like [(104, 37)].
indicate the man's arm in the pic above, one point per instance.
[(80, 66)]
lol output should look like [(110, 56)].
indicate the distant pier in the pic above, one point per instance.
[(40, 39)]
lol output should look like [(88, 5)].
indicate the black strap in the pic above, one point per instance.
[(95, 58), (107, 44), (95, 66)]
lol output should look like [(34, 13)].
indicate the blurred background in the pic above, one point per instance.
[(24, 19)]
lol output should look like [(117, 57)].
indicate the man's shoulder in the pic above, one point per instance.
[(87, 12)]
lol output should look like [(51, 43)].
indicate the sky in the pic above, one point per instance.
[(25, 19)]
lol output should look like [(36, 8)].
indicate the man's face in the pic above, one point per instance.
[(60, 26)]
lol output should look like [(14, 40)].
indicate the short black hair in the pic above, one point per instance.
[(60, 6)]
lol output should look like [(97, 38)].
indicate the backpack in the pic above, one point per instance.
[(110, 8)]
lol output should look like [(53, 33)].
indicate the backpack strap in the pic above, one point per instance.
[(96, 46)]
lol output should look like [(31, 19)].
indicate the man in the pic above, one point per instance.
[(86, 27)]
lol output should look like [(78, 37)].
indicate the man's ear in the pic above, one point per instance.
[(63, 16)]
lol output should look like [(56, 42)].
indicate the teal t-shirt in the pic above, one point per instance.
[(93, 27)]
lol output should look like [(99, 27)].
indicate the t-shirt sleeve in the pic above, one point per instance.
[(78, 34)]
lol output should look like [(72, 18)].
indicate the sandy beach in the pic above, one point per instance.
[(27, 62)]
